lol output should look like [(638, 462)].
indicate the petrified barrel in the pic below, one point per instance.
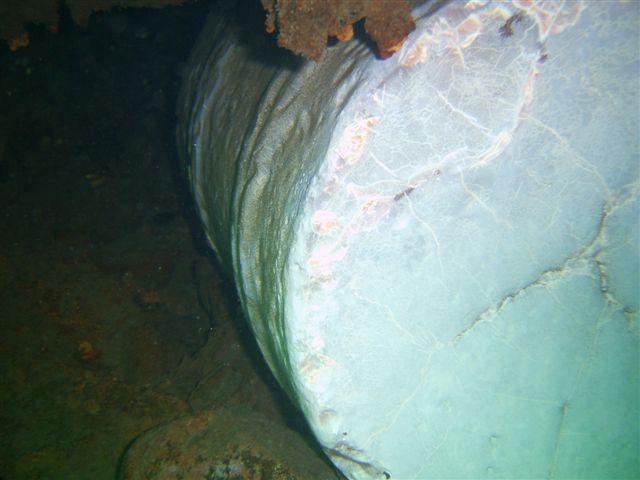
[(438, 252)]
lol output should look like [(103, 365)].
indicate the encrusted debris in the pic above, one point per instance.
[(304, 26)]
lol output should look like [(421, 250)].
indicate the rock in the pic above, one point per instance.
[(223, 444)]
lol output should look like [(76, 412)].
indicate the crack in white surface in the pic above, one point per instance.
[(574, 263), (471, 120), (422, 345), (561, 429), (398, 411)]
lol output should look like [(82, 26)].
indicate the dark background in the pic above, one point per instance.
[(114, 317)]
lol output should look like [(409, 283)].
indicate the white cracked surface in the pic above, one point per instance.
[(463, 297)]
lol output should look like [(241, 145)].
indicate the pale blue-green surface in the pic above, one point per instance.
[(438, 253)]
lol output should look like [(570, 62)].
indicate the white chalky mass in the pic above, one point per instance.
[(439, 252)]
